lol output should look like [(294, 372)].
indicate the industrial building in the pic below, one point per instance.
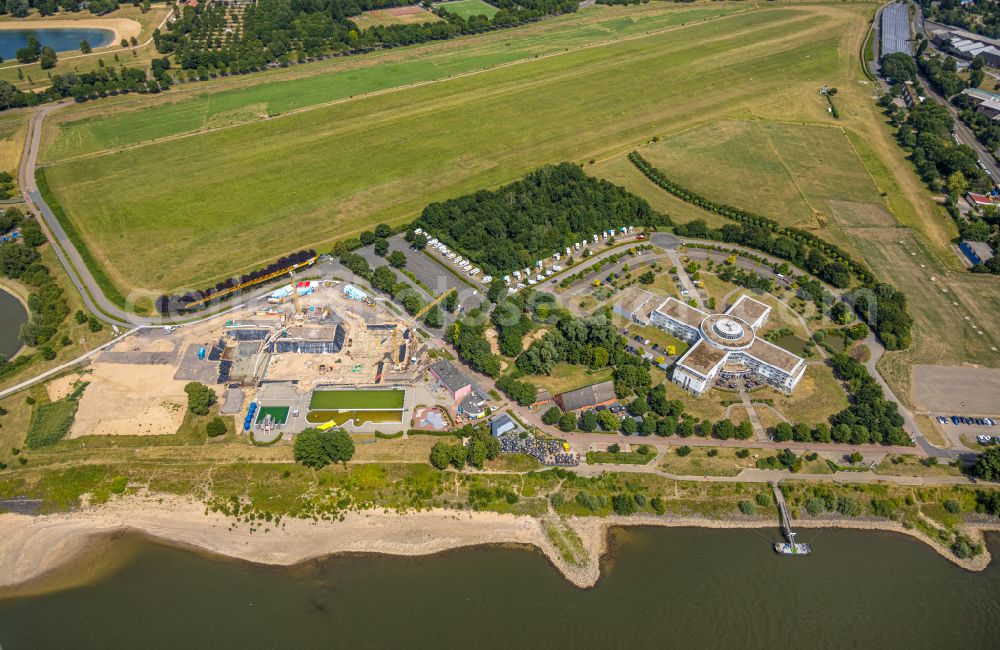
[(722, 345), (967, 45)]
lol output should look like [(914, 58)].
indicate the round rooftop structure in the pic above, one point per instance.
[(727, 332)]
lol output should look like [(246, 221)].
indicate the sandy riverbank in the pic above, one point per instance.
[(121, 27), (31, 547)]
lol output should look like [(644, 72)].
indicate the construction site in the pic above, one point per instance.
[(283, 362)]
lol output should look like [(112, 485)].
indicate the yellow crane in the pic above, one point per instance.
[(431, 304), (244, 285)]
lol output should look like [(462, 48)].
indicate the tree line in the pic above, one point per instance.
[(280, 31), (532, 218)]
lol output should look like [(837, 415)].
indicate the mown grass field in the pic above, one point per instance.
[(466, 8), (259, 190), (386, 17), (806, 176), (123, 121)]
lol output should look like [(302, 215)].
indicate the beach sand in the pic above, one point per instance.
[(122, 27), (33, 546)]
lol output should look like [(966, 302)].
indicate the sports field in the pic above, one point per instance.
[(261, 189), (466, 8), (279, 414), (340, 400)]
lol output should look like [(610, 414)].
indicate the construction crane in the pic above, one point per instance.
[(295, 295), (244, 285), (431, 304)]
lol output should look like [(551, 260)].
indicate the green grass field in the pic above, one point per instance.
[(356, 417), (50, 423), (466, 8), (803, 175), (337, 400), (324, 174)]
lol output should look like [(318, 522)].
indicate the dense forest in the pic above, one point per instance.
[(215, 38), (511, 227)]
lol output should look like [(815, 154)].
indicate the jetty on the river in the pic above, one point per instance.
[(789, 547)]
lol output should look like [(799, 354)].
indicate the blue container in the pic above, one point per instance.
[(201, 353)]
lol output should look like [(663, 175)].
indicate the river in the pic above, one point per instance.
[(680, 588), (12, 317)]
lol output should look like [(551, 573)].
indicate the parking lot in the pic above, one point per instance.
[(436, 277)]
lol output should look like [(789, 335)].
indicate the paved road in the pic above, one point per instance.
[(963, 133)]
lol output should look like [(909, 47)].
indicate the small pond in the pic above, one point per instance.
[(61, 40), (12, 317)]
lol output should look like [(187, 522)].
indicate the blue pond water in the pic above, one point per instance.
[(61, 40)]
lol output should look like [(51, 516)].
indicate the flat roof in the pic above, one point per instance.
[(748, 309), (450, 376), (682, 312), (638, 302), (773, 355), (702, 358)]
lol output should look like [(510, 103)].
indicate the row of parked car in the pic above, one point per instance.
[(988, 440), (958, 419)]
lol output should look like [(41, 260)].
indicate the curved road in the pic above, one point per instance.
[(102, 307)]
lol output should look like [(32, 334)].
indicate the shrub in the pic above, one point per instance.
[(764, 500), (848, 506), (315, 448), (952, 506), (623, 504), (815, 506), (712, 453), (683, 450), (963, 547), (747, 507), (742, 453), (659, 507), (216, 427), (557, 499)]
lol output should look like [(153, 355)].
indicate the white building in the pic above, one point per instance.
[(721, 344)]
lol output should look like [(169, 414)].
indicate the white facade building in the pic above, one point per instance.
[(721, 344)]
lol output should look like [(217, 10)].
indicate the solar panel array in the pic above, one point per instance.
[(305, 347), (224, 369), (216, 352), (249, 335), (896, 29)]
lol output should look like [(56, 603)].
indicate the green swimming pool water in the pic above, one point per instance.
[(358, 417), (347, 399)]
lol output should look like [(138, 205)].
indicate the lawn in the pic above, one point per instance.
[(566, 377), (274, 186), (906, 465), (817, 396), (808, 176), (12, 132), (466, 8), (334, 400), (50, 422), (656, 335), (699, 463), (621, 457), (367, 19)]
